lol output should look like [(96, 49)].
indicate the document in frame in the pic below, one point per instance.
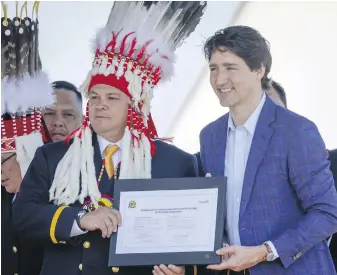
[(168, 221)]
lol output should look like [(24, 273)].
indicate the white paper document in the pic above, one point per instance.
[(167, 221)]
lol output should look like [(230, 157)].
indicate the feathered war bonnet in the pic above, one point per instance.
[(134, 52), (25, 89)]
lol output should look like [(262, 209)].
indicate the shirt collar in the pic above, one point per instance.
[(251, 122), (103, 143)]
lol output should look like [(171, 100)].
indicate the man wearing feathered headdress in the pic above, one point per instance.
[(67, 194), (25, 89)]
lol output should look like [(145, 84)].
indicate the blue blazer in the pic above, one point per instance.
[(288, 194), (33, 213)]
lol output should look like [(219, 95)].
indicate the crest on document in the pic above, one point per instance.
[(132, 204)]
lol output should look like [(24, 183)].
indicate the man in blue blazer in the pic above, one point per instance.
[(281, 199)]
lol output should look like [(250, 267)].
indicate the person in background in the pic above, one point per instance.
[(281, 199), (22, 132), (276, 92), (66, 114)]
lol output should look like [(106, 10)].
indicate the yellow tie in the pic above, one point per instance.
[(108, 163)]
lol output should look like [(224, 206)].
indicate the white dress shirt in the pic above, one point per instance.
[(116, 158), (239, 141)]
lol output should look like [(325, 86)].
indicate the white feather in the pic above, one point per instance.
[(19, 95), (84, 87), (61, 177), (84, 171), (145, 25), (147, 156), (92, 190), (75, 173), (126, 154), (137, 159), (25, 149)]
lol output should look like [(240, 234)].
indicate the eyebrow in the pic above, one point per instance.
[(53, 110), (109, 94), (225, 64), (114, 94)]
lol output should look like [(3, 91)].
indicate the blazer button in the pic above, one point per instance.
[(86, 244), (80, 267), (15, 249), (115, 269)]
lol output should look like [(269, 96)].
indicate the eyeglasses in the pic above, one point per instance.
[(4, 160)]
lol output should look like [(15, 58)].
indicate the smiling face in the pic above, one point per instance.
[(232, 80), (64, 116), (108, 109), (10, 172)]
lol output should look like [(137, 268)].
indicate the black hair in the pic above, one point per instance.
[(280, 91), (61, 84), (278, 88), (246, 42)]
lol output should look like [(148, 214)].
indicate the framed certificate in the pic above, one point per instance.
[(176, 221)]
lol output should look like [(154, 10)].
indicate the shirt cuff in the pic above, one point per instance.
[(272, 247), (76, 231)]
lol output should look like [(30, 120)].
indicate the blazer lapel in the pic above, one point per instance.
[(219, 146), (263, 133)]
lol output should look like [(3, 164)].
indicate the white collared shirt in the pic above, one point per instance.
[(239, 141), (116, 158)]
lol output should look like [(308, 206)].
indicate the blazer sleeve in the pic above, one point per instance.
[(202, 152), (33, 215), (312, 180), (191, 167), (201, 172)]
